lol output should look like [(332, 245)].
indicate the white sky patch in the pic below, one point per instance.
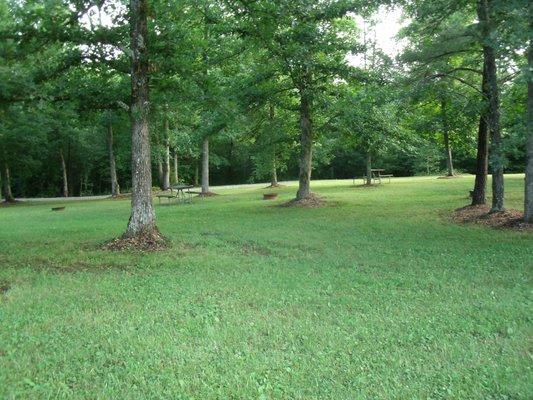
[(388, 23)]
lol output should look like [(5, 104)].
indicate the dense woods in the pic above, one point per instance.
[(230, 91)]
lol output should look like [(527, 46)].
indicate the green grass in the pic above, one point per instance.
[(376, 296)]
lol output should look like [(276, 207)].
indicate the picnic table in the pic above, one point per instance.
[(377, 174), (178, 193)]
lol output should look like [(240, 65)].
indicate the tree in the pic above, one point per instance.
[(142, 222), (308, 42), (528, 202)]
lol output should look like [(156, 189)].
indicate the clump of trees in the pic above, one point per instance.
[(201, 91)]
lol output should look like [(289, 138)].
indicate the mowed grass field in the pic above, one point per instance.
[(375, 296)]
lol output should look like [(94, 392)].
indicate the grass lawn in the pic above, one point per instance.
[(375, 296)]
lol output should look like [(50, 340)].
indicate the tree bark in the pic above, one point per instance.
[(64, 172), (528, 202), (176, 165), (196, 173), (274, 174), (115, 188), (142, 218), (5, 176), (166, 158), (446, 135), (205, 166), (482, 162), (306, 147), (368, 168), (160, 172), (493, 116), (482, 158)]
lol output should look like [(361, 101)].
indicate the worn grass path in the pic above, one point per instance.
[(375, 296)]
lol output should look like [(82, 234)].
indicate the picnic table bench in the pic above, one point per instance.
[(376, 175), (178, 193)]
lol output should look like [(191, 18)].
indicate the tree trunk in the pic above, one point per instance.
[(482, 161), (274, 173), (5, 176), (196, 173), (306, 147), (449, 161), (115, 188), (446, 135), (160, 172), (64, 172), (528, 202), (205, 166), (368, 168), (176, 165), (166, 157), (493, 116), (142, 219)]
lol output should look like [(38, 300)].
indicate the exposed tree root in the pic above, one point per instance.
[(508, 219), (454, 176), (8, 203), (151, 240), (274, 186), (311, 201)]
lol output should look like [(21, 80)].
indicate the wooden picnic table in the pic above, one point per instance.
[(376, 175), (183, 194)]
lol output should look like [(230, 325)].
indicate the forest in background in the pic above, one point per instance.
[(226, 79)]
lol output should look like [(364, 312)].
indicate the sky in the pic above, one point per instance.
[(389, 23)]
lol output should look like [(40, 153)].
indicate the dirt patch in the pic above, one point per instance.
[(449, 177), (275, 186), (4, 287), (146, 241), (311, 201), (508, 219), (121, 196), (9, 203), (364, 185), (207, 194), (254, 248)]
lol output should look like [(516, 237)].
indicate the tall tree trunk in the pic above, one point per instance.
[(166, 158), (274, 174), (205, 166), (5, 176), (493, 118), (446, 135), (160, 172), (482, 159), (196, 173), (306, 147), (176, 166), (115, 188), (64, 172), (142, 219), (449, 161), (368, 168), (528, 202)]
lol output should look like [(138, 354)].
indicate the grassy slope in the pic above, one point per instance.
[(376, 296)]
